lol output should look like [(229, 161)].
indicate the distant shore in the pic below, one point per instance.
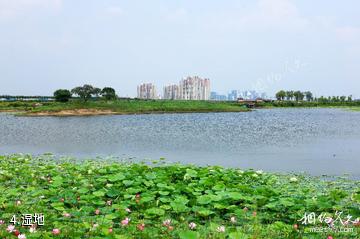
[(135, 106), (118, 107)]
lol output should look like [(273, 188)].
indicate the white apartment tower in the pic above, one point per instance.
[(146, 91), (171, 92), (194, 88)]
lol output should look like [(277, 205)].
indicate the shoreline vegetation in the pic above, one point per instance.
[(112, 199), (121, 106), (77, 107), (88, 100)]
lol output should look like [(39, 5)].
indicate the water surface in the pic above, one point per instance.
[(317, 141)]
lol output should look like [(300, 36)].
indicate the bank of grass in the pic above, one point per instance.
[(304, 104), (102, 199), (135, 106), (125, 106), (354, 108)]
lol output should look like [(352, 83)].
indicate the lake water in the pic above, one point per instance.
[(317, 141)]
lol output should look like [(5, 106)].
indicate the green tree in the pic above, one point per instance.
[(299, 96), (349, 98), (289, 95), (108, 93), (85, 92), (308, 96), (280, 95), (96, 92), (323, 99), (335, 99), (62, 95)]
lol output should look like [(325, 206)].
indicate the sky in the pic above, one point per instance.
[(263, 45)]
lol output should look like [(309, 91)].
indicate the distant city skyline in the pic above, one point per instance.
[(147, 91), (189, 88), (261, 45), (152, 91), (234, 95)]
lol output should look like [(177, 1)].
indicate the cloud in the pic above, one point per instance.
[(262, 15), (12, 8), (179, 15), (114, 11), (348, 34), (274, 14), (278, 8)]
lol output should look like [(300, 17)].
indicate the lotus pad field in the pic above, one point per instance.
[(105, 199)]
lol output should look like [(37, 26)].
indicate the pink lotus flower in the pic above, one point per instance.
[(95, 225), (221, 229), (170, 228), (10, 228), (110, 230), (141, 227), (192, 225), (233, 219), (167, 222), (22, 236), (125, 222), (56, 231), (330, 237), (2, 222), (67, 214), (245, 209), (97, 211), (128, 210), (254, 214), (296, 226)]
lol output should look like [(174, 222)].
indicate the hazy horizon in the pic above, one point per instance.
[(263, 45)]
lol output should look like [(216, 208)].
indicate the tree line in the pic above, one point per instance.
[(85, 93), (308, 96)]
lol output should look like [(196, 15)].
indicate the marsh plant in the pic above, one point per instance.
[(103, 199)]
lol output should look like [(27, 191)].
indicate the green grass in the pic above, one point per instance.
[(292, 104), (354, 108), (128, 106), (76, 195), (133, 106)]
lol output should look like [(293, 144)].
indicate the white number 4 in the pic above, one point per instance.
[(13, 220)]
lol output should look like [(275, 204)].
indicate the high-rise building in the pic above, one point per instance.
[(194, 88), (251, 95), (171, 92), (146, 91), (233, 95), (237, 94), (216, 96), (213, 95)]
